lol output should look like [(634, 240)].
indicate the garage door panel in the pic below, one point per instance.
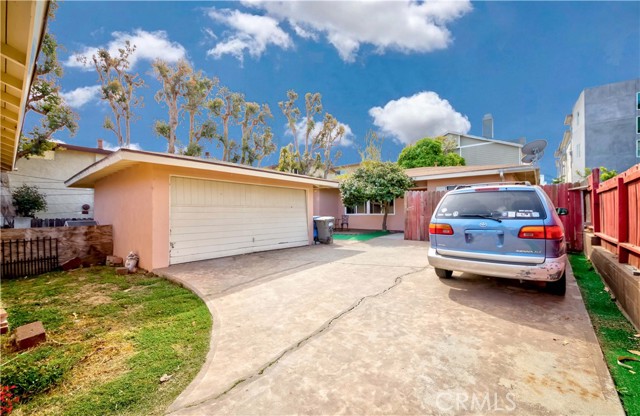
[(211, 219), (195, 240), (222, 230), (237, 221)]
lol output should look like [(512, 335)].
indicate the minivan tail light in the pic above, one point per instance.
[(551, 232), (444, 229)]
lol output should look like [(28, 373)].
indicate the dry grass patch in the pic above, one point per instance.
[(110, 339)]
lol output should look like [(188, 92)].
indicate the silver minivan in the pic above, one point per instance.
[(504, 230)]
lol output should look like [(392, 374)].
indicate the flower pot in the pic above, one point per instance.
[(22, 222)]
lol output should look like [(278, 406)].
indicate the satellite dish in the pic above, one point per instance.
[(535, 147), (528, 158)]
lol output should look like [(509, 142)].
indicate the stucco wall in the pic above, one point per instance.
[(124, 200), (49, 173), (136, 202), (610, 125), (395, 222), (327, 202)]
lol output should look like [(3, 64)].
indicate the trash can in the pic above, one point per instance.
[(325, 227), (315, 230)]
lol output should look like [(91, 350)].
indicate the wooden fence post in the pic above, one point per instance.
[(623, 219), (595, 199)]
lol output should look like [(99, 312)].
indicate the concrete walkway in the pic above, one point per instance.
[(367, 328)]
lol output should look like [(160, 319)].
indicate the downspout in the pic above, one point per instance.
[(501, 175)]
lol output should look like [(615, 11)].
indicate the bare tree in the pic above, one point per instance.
[(118, 87), (254, 142), (174, 86)]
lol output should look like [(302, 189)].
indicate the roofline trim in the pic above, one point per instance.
[(166, 159), (492, 171)]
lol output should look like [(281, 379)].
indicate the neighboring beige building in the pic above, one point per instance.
[(481, 151), (49, 172)]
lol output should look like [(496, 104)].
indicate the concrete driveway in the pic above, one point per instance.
[(368, 328)]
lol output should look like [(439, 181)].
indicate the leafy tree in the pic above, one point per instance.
[(28, 200), (558, 180), (228, 107), (316, 153), (118, 87), (256, 136), (606, 174), (375, 181), (584, 174), (428, 152), (173, 80), (198, 89), (44, 99)]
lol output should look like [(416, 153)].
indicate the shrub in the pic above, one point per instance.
[(28, 200), (7, 399)]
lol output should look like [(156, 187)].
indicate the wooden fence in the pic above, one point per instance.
[(28, 257), (418, 208), (569, 195), (615, 212)]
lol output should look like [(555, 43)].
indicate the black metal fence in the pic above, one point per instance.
[(53, 222), (29, 257)]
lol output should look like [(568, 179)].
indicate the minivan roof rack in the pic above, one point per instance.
[(473, 185)]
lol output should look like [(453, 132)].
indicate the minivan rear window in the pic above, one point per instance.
[(506, 205)]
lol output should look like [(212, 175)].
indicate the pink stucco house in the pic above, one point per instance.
[(173, 209), (369, 216)]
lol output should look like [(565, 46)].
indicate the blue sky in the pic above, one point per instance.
[(407, 70)]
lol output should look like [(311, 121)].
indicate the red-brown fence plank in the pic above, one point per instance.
[(419, 207)]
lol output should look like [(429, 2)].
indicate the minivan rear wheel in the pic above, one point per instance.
[(444, 274), (559, 287)]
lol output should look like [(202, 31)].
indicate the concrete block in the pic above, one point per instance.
[(74, 263), (30, 335), (122, 270), (4, 324), (114, 261)]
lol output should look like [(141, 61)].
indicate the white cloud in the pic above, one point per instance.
[(405, 26), (249, 33), (108, 146), (301, 126), (81, 96), (424, 114), (149, 46)]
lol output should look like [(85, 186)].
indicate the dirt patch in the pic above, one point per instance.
[(97, 300)]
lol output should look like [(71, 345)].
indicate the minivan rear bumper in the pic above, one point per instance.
[(551, 270)]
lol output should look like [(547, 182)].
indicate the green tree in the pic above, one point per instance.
[(118, 87), (606, 174), (44, 99), (375, 181), (318, 142), (198, 89), (228, 107), (256, 136), (174, 87), (428, 152), (28, 200)]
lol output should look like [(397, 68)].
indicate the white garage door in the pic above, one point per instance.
[(212, 219)]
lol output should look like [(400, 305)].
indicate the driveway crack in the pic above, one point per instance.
[(294, 347)]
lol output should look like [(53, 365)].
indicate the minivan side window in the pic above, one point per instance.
[(505, 205)]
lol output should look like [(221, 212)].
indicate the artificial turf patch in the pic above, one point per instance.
[(359, 237)]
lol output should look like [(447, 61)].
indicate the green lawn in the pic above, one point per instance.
[(614, 331), (110, 339), (359, 237)]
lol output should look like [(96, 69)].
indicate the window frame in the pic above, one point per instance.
[(367, 205)]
